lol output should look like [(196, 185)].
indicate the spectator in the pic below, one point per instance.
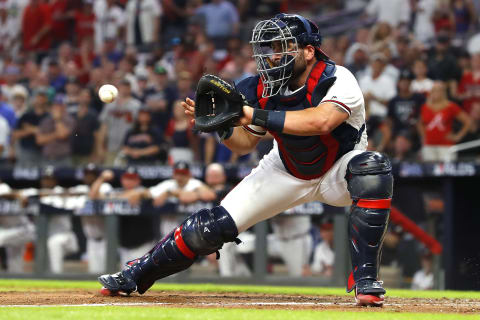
[(394, 12), (93, 226), (15, 232), (36, 28), (54, 134), (184, 86), (116, 119), (469, 87), (423, 28), (85, 137), (359, 60), (180, 135), (378, 88), (109, 22), (144, 143), (28, 151), (72, 95), (137, 233), (423, 278), (442, 64), (143, 21), (435, 125), (323, 255), (221, 21), (19, 98), (403, 112), (179, 189), (160, 98), (464, 15), (84, 22), (11, 76), (4, 140), (421, 84), (473, 133), (7, 111), (404, 146), (8, 30), (56, 76), (60, 21), (61, 239), (175, 13)]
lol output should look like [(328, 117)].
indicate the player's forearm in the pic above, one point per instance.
[(320, 120), (241, 141)]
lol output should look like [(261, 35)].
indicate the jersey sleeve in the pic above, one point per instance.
[(255, 130), (345, 91), (160, 188)]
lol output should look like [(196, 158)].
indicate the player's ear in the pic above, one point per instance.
[(309, 52)]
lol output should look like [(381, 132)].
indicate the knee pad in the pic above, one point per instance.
[(202, 233), (370, 184)]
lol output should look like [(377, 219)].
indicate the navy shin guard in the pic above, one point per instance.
[(370, 183), (203, 233)]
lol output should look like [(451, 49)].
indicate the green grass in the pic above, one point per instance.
[(29, 285), (118, 313)]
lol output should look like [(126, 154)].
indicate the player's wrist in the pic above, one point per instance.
[(269, 119)]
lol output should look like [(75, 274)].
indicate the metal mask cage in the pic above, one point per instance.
[(272, 38)]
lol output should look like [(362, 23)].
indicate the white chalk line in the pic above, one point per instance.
[(229, 304)]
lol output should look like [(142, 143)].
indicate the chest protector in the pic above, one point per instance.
[(305, 157)]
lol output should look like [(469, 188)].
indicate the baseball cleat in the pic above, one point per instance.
[(118, 284), (369, 300), (369, 292), (109, 293)]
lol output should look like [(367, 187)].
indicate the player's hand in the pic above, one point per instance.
[(107, 175), (189, 106), (246, 119)]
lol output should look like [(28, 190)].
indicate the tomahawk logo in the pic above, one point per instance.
[(206, 230)]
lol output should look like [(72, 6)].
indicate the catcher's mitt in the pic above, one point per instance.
[(217, 104)]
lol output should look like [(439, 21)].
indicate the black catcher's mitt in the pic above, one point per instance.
[(217, 104)]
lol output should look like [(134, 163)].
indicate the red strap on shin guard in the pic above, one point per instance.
[(374, 203), (181, 244)]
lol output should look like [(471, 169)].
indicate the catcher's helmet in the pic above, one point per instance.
[(281, 35)]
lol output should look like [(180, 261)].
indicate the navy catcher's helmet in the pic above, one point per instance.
[(288, 32)]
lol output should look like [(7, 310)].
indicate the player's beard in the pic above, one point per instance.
[(299, 67)]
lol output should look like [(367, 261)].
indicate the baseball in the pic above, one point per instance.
[(107, 93)]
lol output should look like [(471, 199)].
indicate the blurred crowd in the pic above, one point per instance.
[(417, 62)]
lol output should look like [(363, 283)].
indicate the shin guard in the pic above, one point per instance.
[(370, 183)]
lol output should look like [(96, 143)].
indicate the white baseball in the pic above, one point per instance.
[(108, 93)]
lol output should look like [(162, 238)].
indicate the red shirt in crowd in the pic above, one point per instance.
[(59, 20), (471, 85), (438, 124), (84, 25), (35, 17)]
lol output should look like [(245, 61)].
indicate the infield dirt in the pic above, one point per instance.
[(181, 299)]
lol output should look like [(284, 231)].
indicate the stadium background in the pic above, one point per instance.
[(56, 54)]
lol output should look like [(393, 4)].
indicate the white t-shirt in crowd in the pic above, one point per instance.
[(392, 11), (172, 185), (323, 257), (4, 136), (423, 27), (383, 88), (421, 86), (422, 281)]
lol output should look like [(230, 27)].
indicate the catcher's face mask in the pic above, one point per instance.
[(274, 50)]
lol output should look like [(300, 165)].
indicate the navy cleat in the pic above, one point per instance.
[(118, 284), (369, 293)]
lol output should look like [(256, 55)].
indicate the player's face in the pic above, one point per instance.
[(129, 183), (181, 178), (278, 51)]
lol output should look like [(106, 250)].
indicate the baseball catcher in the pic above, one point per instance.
[(315, 111)]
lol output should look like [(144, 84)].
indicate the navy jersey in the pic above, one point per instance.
[(310, 157)]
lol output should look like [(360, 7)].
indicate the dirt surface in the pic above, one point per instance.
[(234, 300)]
